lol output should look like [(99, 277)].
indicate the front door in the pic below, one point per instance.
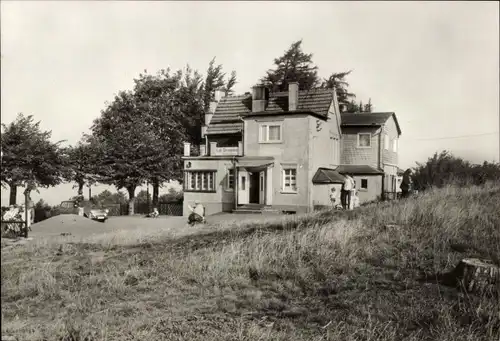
[(254, 187), (262, 185), (243, 182)]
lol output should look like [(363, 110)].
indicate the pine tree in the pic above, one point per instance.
[(293, 66), (338, 81)]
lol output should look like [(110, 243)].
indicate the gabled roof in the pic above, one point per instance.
[(358, 169), (230, 109), (368, 119), (327, 176)]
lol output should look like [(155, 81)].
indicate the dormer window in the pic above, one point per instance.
[(364, 140)]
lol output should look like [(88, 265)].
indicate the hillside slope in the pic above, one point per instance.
[(324, 276)]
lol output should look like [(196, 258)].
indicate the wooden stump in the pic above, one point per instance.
[(478, 276)]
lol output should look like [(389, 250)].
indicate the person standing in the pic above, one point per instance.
[(347, 191), (406, 184)]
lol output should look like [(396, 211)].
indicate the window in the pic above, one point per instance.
[(395, 145), (270, 133), (200, 181), (386, 142), (364, 183), (243, 182), (230, 179), (364, 140), (290, 179)]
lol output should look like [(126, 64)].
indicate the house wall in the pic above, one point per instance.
[(374, 187), (391, 175), (220, 201), (321, 195), (388, 155), (352, 154), (294, 149), (324, 142)]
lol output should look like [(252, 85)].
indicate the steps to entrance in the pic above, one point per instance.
[(255, 209)]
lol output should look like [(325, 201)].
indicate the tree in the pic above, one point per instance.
[(173, 106), (444, 168), (213, 81), (293, 66), (143, 197), (108, 198), (82, 162), (338, 82), (126, 144), (29, 157), (172, 196), (368, 107), (231, 82)]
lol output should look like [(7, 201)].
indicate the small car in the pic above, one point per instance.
[(89, 210), (97, 214)]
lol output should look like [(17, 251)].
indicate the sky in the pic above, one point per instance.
[(435, 64)]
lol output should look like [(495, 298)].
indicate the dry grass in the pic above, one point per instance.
[(323, 276)]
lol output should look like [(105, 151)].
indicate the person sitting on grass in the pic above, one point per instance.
[(197, 213), (153, 214)]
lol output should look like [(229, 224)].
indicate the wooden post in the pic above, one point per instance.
[(26, 214)]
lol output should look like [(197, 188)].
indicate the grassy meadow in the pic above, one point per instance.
[(329, 275)]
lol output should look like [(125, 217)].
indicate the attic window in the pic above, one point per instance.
[(364, 140)]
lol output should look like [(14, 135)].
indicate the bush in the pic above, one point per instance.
[(445, 169)]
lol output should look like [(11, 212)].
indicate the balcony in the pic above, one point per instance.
[(214, 150)]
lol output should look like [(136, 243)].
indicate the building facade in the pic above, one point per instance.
[(283, 152)]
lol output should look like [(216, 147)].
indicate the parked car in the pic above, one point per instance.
[(90, 210)]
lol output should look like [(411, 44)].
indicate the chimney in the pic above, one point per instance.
[(293, 96), (260, 96), (219, 93), (187, 149)]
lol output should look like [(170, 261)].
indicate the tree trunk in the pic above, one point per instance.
[(156, 192), (480, 276), (131, 200), (80, 188), (13, 194)]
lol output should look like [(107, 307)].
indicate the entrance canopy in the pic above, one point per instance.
[(254, 163)]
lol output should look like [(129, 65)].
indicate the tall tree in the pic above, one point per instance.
[(126, 142), (173, 105), (213, 81), (293, 66), (30, 158)]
